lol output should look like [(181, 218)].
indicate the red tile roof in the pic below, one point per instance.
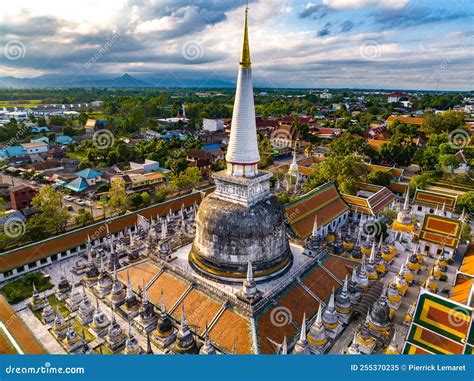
[(325, 202)]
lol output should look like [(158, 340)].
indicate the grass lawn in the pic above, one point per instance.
[(77, 155), (53, 301), (29, 103), (61, 305), (22, 289), (78, 327)]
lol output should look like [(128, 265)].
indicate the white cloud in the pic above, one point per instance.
[(354, 4)]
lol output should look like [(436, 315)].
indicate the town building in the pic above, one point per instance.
[(21, 196)]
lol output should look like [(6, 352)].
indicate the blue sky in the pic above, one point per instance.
[(320, 43)]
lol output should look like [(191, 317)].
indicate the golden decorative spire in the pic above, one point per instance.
[(245, 58)]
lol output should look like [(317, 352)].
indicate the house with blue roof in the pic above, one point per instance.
[(16, 151), (172, 134), (43, 139), (91, 176), (64, 140), (77, 185), (85, 178), (39, 130), (211, 147)]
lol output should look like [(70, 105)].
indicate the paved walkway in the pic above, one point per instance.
[(40, 331)]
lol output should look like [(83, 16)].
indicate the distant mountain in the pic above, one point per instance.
[(124, 81)]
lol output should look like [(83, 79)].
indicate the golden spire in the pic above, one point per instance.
[(245, 58)]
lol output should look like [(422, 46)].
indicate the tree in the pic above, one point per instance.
[(54, 215), (83, 218), (466, 201), (422, 181), (382, 178), (450, 162), (186, 179), (118, 201), (445, 122), (135, 200), (146, 198), (466, 233), (82, 118), (345, 171), (346, 145)]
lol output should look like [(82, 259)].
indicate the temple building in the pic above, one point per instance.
[(72, 340), (131, 345), (146, 318), (48, 315), (117, 294), (74, 299), (428, 202), (131, 306), (185, 341), (301, 346), (100, 323), (115, 337), (59, 327), (317, 337), (379, 319), (37, 301), (63, 288), (165, 333), (440, 235), (86, 309), (242, 220), (439, 326)]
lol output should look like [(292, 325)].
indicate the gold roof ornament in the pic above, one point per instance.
[(245, 58)]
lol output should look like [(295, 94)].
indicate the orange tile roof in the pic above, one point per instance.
[(18, 329), (376, 144), (320, 283), (172, 287), (140, 274), (467, 266), (33, 252), (440, 325), (325, 202), (434, 199), (394, 172), (231, 327), (433, 341), (282, 319), (398, 187), (441, 230), (406, 119), (338, 266), (460, 292), (373, 204), (200, 309)]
